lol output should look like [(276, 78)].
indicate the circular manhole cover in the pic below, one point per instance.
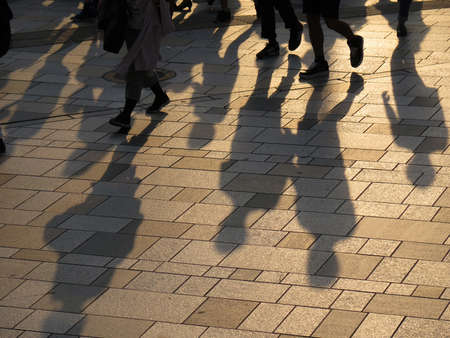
[(163, 74)]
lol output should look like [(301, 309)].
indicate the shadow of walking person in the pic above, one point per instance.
[(421, 116), (96, 236), (325, 204)]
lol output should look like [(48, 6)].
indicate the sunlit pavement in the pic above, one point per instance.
[(255, 205)]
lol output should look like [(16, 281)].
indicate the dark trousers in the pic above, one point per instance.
[(403, 9), (267, 8)]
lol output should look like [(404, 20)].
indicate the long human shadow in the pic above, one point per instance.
[(327, 226), (402, 117), (237, 224), (78, 286)]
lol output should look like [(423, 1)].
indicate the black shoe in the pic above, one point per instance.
[(295, 37), (356, 44), (271, 49), (401, 30), (160, 102), (2, 146), (121, 120), (184, 4), (318, 68), (224, 15)]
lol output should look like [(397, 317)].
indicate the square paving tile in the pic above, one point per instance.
[(225, 313)]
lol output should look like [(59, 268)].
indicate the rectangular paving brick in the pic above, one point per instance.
[(135, 304), (66, 273), (406, 306), (158, 282), (392, 269), (266, 317), (339, 323), (55, 322), (26, 236), (378, 325), (308, 296), (349, 266), (422, 327), (302, 321), (430, 273), (207, 253), (424, 251), (15, 268)]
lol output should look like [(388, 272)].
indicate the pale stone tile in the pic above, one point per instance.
[(430, 273), (271, 276), (69, 240), (373, 209), (266, 317), (322, 223), (164, 249), (66, 273), (352, 301), (309, 296), (228, 198), (383, 192), (10, 317), (7, 252), (210, 214), (423, 251), (145, 265), (174, 330), (360, 285), (201, 232), (16, 236), (134, 304), (275, 259), (197, 286), (27, 293), (11, 198), (392, 269), (219, 272), (420, 213), (213, 332), (162, 193), (378, 325), (158, 282), (386, 176), (80, 259), (396, 157), (338, 244), (41, 200), (379, 247), (308, 280), (251, 167), (34, 183), (234, 289), (428, 291), (319, 205), (424, 195), (275, 219), (15, 268), (49, 321), (312, 187), (349, 190), (119, 189), (249, 236), (401, 289), (27, 166), (185, 269), (302, 321), (205, 253), (420, 327), (339, 323)]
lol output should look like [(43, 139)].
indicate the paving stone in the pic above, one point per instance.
[(49, 321), (228, 198), (349, 265), (201, 232), (27, 166), (157, 210), (424, 195), (76, 204), (251, 236), (158, 282), (116, 278), (15, 268), (225, 313), (339, 323), (379, 247), (352, 301), (69, 240), (338, 244), (94, 223), (192, 195), (244, 217), (27, 237), (11, 198), (403, 230), (144, 265), (430, 273), (219, 272), (19, 217), (203, 164), (209, 214), (66, 273), (421, 251), (244, 290), (308, 296), (308, 280), (266, 317), (275, 219), (161, 193), (10, 333), (115, 245), (75, 186), (302, 321), (406, 306), (275, 259), (420, 213), (110, 327), (321, 223), (197, 286), (228, 333), (360, 285), (80, 259), (155, 228), (374, 209), (164, 249), (255, 183), (297, 240), (7, 285), (400, 289), (174, 330), (443, 215), (378, 325), (206, 253), (392, 269), (383, 192), (10, 317), (27, 293), (418, 327), (273, 201), (133, 304), (185, 269), (428, 291)]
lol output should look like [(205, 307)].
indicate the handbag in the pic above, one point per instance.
[(112, 19)]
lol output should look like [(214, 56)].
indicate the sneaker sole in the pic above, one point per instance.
[(313, 76), (118, 124)]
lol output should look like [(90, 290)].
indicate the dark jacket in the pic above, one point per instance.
[(112, 19), (5, 28)]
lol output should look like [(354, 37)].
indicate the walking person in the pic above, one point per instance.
[(268, 29), (5, 42), (329, 10), (148, 21), (403, 13)]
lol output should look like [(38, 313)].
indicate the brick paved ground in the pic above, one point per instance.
[(255, 206)]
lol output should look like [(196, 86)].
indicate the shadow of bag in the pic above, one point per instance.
[(5, 27)]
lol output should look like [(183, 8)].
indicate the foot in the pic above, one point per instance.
[(356, 44), (121, 120), (318, 68), (295, 37), (158, 104), (271, 50), (401, 30), (224, 15)]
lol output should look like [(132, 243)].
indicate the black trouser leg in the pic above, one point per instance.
[(268, 20), (403, 9), (287, 13)]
